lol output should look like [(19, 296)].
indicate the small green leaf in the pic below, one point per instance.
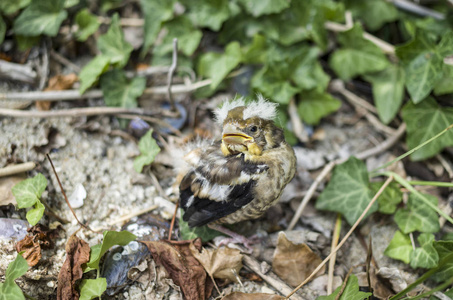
[(307, 71), (181, 28), (26, 42), (273, 85), (444, 85), (209, 14), (41, 17), (264, 7), (388, 91), (418, 215), (389, 199), (92, 288), (348, 191), (119, 91), (424, 121), (155, 12), (29, 191), (9, 7), (314, 105), (358, 55), (204, 232), (113, 45), (9, 289), (111, 238), (35, 214), (351, 291), (87, 24), (426, 255), (217, 66), (148, 149), (443, 248), (91, 72), (2, 29), (374, 13), (400, 247)]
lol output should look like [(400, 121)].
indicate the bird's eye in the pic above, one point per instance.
[(253, 128)]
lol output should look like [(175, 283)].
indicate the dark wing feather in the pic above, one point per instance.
[(199, 211)]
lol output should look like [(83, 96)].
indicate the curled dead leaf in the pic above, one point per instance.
[(6, 184), (293, 263), (57, 83), (77, 253), (222, 263), (256, 296), (183, 268), (38, 236)]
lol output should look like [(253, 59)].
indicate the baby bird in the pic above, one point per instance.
[(241, 176)]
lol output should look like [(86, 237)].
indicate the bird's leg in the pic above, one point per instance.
[(236, 238)]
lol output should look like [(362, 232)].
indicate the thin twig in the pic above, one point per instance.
[(272, 279), (386, 183), (64, 194), (418, 9), (173, 219), (16, 169), (385, 145), (127, 22), (51, 212), (296, 122), (173, 67), (72, 112), (445, 164), (335, 239), (96, 93), (64, 61)]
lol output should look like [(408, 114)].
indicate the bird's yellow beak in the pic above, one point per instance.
[(232, 136)]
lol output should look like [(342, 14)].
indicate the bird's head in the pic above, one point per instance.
[(248, 128)]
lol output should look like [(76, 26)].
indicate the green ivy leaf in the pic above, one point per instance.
[(388, 91), (307, 71), (148, 151), (35, 214), (26, 42), (255, 52), (374, 13), (272, 85), (443, 248), (91, 72), (41, 17), (9, 289), (2, 29), (87, 23), (348, 191), (92, 288), (181, 28), (119, 91), (155, 12), (111, 238), (204, 232), (400, 247), (29, 191), (210, 14), (424, 121), (113, 45), (314, 105), (426, 255), (444, 86), (264, 7), (418, 215), (390, 197), (9, 7), (217, 66), (351, 291), (358, 56)]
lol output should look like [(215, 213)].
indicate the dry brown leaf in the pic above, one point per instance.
[(38, 236), (183, 268), (257, 296), (6, 183), (77, 253), (293, 263), (219, 263), (57, 83)]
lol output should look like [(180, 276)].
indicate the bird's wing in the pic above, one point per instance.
[(217, 187)]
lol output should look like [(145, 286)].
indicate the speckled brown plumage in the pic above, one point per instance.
[(241, 176)]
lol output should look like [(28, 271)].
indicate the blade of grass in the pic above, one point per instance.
[(431, 183), (411, 151), (447, 259), (408, 186), (432, 291)]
